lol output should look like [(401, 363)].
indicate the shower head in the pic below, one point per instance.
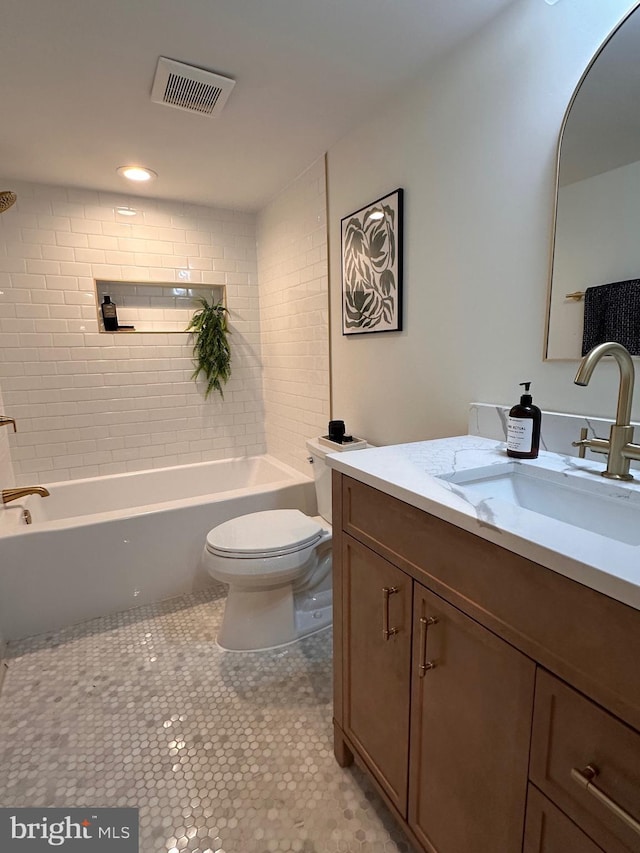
[(7, 200)]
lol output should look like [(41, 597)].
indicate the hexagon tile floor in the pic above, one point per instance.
[(221, 752)]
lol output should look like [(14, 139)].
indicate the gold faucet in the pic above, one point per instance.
[(619, 447), (9, 495), (4, 421)]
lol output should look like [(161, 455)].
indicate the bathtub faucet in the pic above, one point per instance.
[(15, 494)]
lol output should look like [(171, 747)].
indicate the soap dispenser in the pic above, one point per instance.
[(109, 315), (523, 427)]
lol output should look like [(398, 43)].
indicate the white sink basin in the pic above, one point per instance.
[(587, 502)]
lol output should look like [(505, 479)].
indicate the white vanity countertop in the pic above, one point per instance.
[(410, 473)]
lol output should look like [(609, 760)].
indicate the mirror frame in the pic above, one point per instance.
[(554, 221)]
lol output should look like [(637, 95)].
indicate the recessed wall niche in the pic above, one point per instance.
[(154, 306)]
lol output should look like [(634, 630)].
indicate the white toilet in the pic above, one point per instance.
[(278, 567)]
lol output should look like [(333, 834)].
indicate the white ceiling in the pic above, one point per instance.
[(76, 77)]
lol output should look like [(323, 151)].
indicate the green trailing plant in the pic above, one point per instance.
[(211, 352)]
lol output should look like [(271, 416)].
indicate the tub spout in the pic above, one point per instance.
[(9, 495)]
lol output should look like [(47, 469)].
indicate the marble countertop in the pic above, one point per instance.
[(412, 473)]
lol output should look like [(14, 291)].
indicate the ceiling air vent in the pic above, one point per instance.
[(186, 87)]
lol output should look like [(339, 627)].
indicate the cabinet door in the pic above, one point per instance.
[(470, 730), (547, 830), (377, 665)]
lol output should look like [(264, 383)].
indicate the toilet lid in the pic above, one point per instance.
[(264, 534)]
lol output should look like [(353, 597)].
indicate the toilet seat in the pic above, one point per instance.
[(261, 535)]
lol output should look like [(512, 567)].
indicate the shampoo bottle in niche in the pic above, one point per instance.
[(523, 427), (109, 315)]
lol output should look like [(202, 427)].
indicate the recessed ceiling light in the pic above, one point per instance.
[(126, 211), (137, 173)]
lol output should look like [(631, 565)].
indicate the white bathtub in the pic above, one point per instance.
[(106, 544)]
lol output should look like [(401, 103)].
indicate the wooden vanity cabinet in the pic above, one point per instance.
[(470, 695), (470, 723), (548, 830), (572, 734), (377, 666), (457, 694)]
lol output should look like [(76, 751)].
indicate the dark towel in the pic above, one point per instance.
[(612, 313)]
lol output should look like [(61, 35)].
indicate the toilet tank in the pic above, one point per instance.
[(322, 472)]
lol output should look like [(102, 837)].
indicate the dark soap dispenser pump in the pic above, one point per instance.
[(523, 427)]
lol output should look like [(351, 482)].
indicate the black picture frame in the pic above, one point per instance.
[(371, 243)]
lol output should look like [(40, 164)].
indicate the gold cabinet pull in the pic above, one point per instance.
[(425, 665), (387, 632), (585, 778)]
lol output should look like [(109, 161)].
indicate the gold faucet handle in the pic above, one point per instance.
[(582, 444), (596, 445), (4, 421)]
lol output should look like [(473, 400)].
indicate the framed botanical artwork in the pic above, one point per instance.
[(372, 267)]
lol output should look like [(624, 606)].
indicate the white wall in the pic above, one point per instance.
[(292, 262), (89, 403), (6, 467), (473, 143), (596, 243)]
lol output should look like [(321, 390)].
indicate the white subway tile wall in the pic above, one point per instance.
[(292, 259), (6, 467), (89, 404), (158, 307)]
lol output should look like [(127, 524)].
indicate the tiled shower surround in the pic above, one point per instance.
[(220, 751), (89, 403), (294, 313), (6, 465)]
